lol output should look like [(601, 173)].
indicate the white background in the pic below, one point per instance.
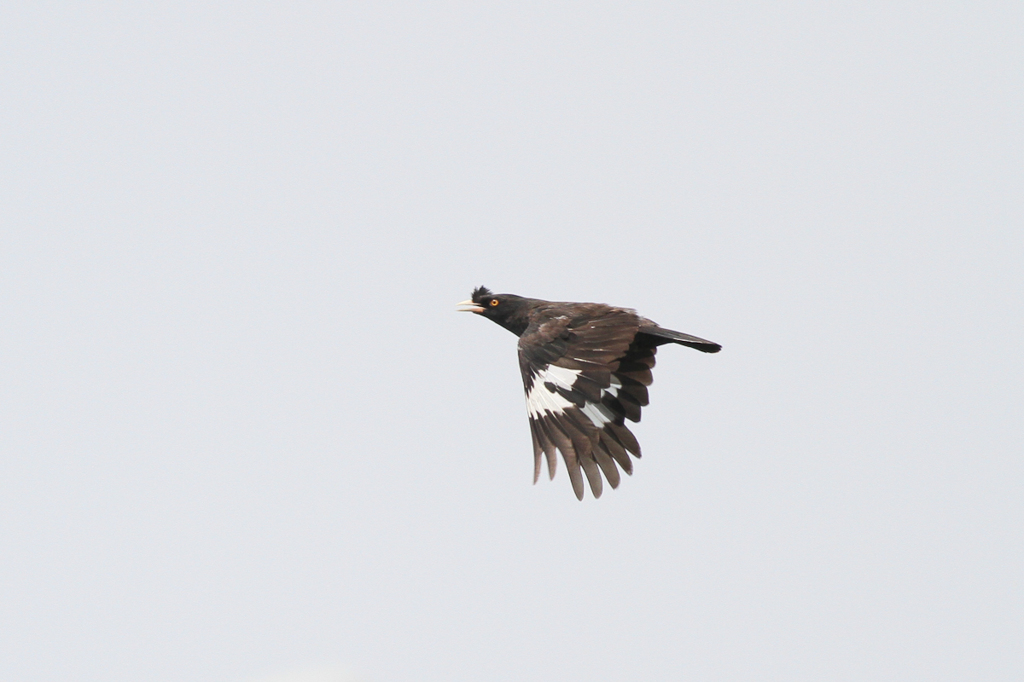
[(243, 431)]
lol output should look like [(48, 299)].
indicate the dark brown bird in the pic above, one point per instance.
[(586, 368)]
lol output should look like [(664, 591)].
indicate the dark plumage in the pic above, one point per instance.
[(586, 368)]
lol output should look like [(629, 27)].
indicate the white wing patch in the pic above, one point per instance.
[(542, 400), (598, 414)]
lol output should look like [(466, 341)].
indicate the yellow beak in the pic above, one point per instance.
[(473, 307)]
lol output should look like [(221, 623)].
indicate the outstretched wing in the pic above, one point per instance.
[(584, 375)]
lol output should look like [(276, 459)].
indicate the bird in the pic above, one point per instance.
[(586, 368)]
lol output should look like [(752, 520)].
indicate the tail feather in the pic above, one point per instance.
[(660, 335)]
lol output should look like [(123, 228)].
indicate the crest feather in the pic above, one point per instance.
[(480, 293)]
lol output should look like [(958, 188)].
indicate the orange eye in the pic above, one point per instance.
[(494, 302)]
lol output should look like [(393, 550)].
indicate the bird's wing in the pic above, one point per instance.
[(585, 373)]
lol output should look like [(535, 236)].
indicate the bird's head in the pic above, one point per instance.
[(508, 310)]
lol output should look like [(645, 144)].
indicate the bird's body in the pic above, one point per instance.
[(586, 368)]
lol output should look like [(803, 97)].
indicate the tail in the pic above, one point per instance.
[(659, 335)]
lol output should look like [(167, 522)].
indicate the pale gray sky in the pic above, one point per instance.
[(243, 431)]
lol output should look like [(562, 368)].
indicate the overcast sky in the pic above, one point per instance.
[(244, 434)]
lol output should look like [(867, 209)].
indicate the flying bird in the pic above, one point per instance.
[(586, 368)]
